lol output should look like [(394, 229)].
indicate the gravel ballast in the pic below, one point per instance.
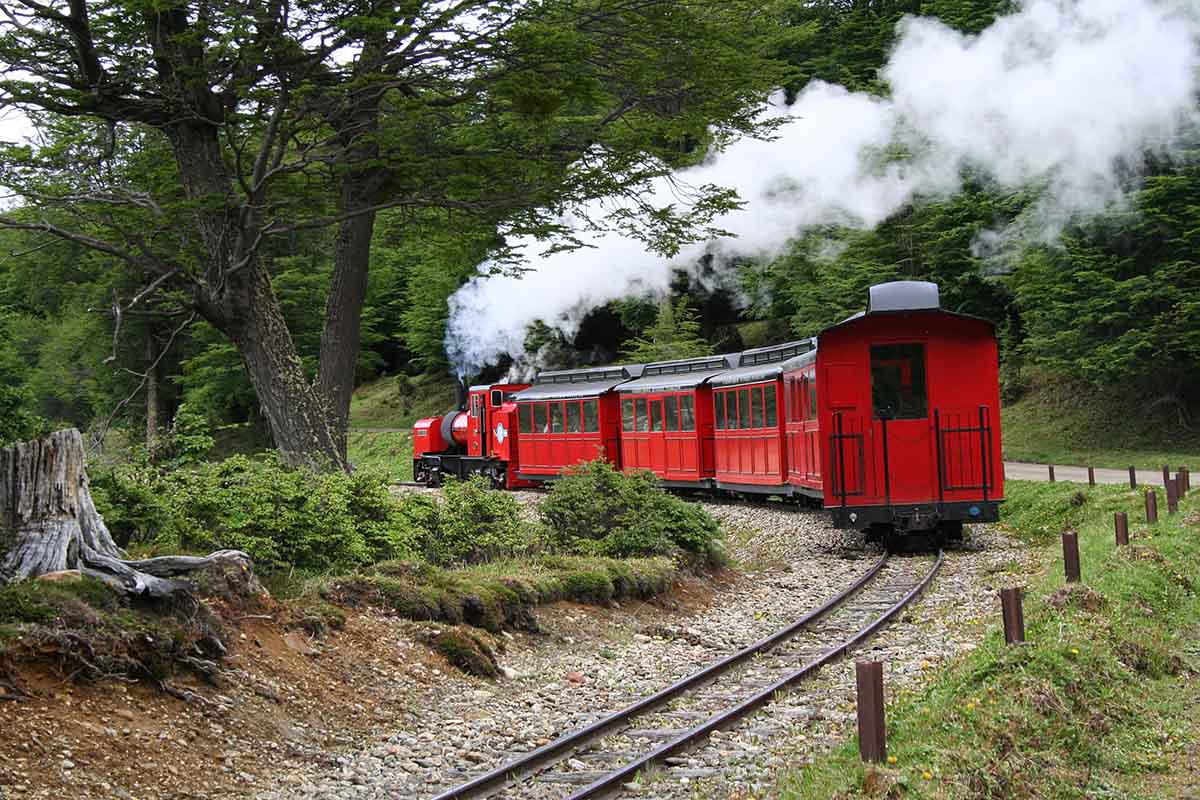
[(590, 662)]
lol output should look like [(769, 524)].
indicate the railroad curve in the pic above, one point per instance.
[(609, 754)]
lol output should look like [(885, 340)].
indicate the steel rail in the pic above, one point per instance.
[(613, 781), (535, 760)]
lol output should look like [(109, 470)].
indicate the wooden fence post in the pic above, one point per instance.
[(872, 733), (1151, 505), (1050, 467), (1091, 476), (1070, 544), (1172, 488), (1133, 477), (1121, 522), (1014, 616)]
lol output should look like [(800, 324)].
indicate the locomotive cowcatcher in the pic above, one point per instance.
[(890, 419)]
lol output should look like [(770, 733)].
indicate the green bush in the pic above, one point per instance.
[(598, 510), (279, 516), (471, 524)]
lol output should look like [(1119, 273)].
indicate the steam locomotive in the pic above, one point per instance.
[(890, 419)]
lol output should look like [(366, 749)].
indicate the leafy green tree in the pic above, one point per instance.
[(1118, 304), (186, 141), (677, 332)]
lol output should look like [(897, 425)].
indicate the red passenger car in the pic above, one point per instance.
[(910, 407), (748, 428), (567, 417), (667, 420)]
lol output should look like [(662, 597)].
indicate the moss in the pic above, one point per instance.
[(589, 586), (499, 596), (468, 651), (314, 615)]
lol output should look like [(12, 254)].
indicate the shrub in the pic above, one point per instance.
[(278, 515), (596, 509), (471, 524)]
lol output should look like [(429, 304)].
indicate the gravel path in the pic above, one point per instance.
[(594, 661)]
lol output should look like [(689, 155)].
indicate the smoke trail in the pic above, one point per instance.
[(1069, 94)]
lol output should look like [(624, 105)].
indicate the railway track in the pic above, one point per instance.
[(609, 754)]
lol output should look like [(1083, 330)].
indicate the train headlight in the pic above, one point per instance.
[(973, 511), (853, 517)]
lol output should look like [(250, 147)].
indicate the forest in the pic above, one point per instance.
[(220, 229)]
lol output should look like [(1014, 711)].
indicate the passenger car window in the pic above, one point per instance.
[(743, 408), (627, 415), (769, 406), (539, 418), (591, 419), (687, 414), (572, 416), (643, 421), (525, 413), (812, 396), (756, 407), (556, 418), (671, 413), (656, 421), (898, 381), (731, 417), (719, 409)]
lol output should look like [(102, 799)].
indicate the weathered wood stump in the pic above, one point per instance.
[(48, 523)]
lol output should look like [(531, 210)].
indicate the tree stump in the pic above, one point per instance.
[(48, 523)]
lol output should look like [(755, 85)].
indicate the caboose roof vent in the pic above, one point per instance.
[(904, 296)]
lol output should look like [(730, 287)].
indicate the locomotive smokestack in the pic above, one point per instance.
[(460, 393)]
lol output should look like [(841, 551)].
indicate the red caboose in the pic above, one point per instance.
[(910, 410)]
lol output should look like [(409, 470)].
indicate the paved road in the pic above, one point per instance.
[(1019, 470)]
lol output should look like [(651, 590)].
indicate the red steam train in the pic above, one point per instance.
[(890, 418)]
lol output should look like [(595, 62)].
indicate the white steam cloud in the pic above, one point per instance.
[(1069, 94)]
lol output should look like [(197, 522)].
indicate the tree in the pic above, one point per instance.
[(676, 333), (209, 130)]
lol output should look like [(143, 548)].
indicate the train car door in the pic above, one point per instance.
[(901, 421)]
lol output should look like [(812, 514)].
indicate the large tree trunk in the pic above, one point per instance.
[(238, 300), (341, 337), (48, 523)]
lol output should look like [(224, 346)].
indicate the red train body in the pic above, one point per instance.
[(891, 418)]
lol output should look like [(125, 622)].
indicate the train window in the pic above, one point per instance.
[(591, 419), (656, 414), (627, 415), (643, 421), (898, 381), (556, 418), (743, 408), (756, 407), (687, 415), (475, 405), (812, 396), (573, 416), (769, 406), (539, 418), (719, 409), (731, 418), (525, 413), (671, 412), (497, 398)]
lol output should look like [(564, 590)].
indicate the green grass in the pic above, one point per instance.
[(1072, 425), (1089, 707), (399, 401), (386, 452)]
